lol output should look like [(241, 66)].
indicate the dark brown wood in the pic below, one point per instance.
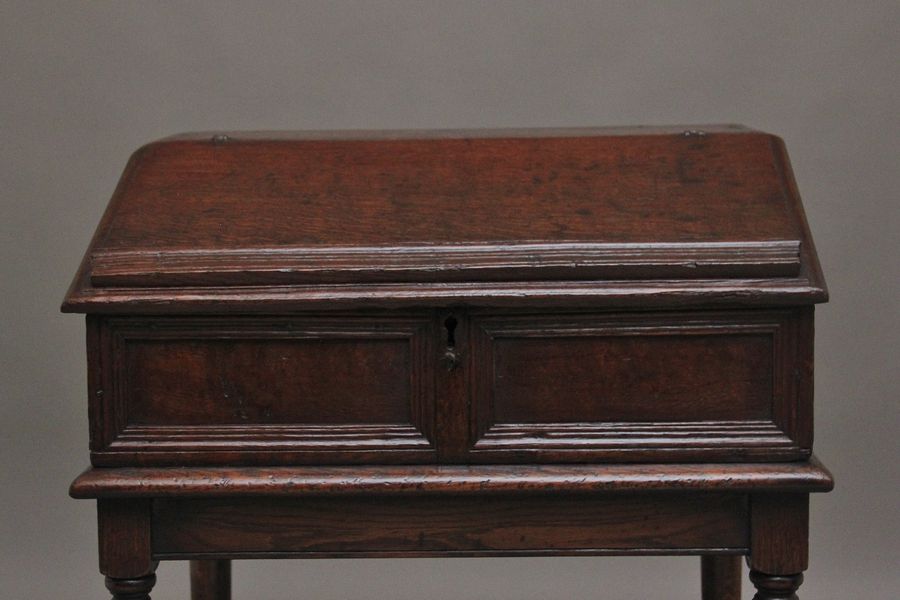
[(137, 588), (210, 580), (124, 538), (469, 262), (674, 386), (721, 577), (451, 525), (604, 294), (619, 386), (645, 378), (452, 386), (303, 189), (776, 587), (264, 390), (231, 482), (780, 533), (239, 381), (454, 343), (271, 209)]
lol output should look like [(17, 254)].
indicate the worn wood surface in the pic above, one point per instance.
[(450, 525), (652, 386), (453, 343), (182, 193), (262, 222), (210, 579), (593, 294), (124, 538), (780, 533), (468, 262), (264, 390), (137, 588), (523, 387), (776, 587), (478, 480), (720, 577)]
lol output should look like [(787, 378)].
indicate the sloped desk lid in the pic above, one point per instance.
[(260, 221)]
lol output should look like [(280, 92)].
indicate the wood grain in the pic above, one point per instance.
[(549, 387), (260, 222), (698, 385), (453, 343), (776, 587), (780, 533), (137, 588), (430, 479), (721, 577), (210, 579), (678, 293), (462, 262), (396, 525), (124, 538), (313, 389), (719, 187)]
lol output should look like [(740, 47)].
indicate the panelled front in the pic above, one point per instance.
[(493, 387), (588, 295), (263, 390), (666, 386)]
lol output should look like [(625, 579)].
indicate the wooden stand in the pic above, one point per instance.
[(456, 343), (212, 515)]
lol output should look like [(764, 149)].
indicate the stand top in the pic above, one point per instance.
[(806, 477)]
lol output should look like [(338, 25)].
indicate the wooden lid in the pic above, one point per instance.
[(247, 221)]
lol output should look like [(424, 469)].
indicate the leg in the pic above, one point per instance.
[(210, 580), (721, 577), (776, 587), (131, 589), (779, 544), (125, 554)]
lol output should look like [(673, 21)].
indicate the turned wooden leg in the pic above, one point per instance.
[(210, 580), (721, 577), (776, 587), (126, 557), (779, 544), (131, 589)]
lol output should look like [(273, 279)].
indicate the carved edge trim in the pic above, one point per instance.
[(464, 262), (809, 476), (663, 293)]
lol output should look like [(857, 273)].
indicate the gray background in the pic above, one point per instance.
[(84, 84)]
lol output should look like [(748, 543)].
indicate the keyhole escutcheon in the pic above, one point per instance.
[(451, 358)]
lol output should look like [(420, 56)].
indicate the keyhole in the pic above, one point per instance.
[(450, 326), (450, 359)]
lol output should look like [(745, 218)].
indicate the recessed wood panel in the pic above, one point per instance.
[(640, 378), (264, 390), (235, 382), (422, 526), (635, 387)]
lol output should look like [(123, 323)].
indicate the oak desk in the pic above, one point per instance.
[(466, 343)]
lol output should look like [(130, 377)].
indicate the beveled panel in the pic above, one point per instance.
[(639, 378), (633, 386), (263, 390), (238, 381)]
